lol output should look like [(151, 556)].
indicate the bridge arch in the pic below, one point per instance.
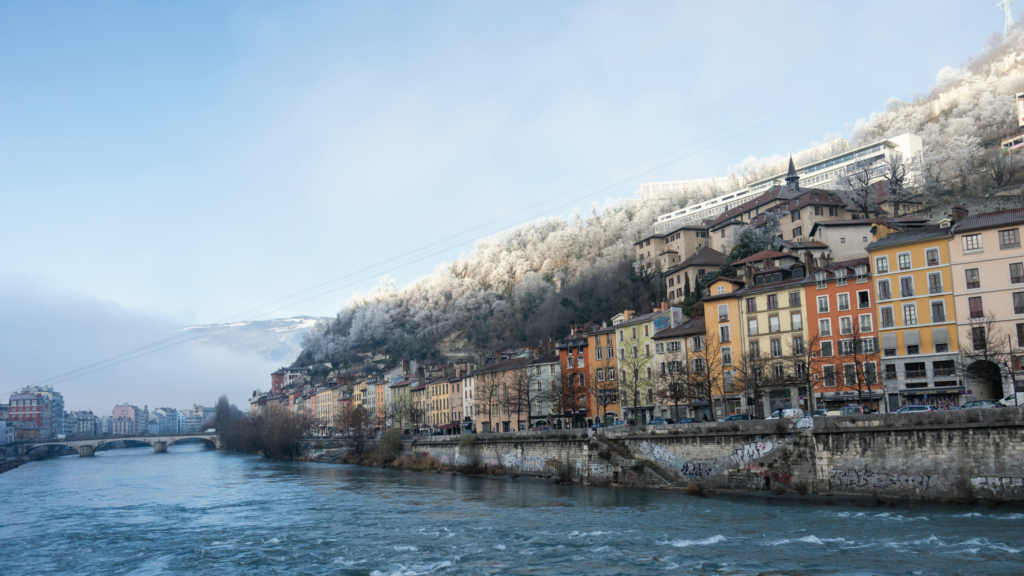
[(208, 442)]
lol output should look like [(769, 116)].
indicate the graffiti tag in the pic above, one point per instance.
[(881, 480), (752, 451)]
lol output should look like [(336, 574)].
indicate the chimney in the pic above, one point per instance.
[(421, 374), (405, 367), (664, 305), (959, 211), (748, 274), (808, 263), (766, 263), (626, 315)]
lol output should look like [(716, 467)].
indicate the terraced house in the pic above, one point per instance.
[(635, 359), (723, 336), (914, 307), (987, 263), (605, 383)]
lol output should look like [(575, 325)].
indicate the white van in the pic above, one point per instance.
[(786, 413), (1013, 402)]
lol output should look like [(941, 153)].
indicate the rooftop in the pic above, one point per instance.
[(909, 236), (762, 255), (990, 220), (694, 326), (704, 256)]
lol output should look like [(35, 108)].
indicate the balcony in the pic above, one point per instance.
[(906, 293), (939, 318), (886, 295), (722, 318), (950, 371), (917, 373), (935, 289)]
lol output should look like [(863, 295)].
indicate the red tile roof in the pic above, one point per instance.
[(990, 220), (762, 255)]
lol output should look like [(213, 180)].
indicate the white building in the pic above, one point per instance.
[(824, 174)]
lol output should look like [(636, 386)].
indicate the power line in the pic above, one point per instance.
[(449, 242)]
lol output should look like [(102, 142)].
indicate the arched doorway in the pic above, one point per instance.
[(986, 379)]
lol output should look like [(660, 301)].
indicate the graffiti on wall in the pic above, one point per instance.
[(805, 423), (509, 460), (997, 483), (696, 470), (752, 451), (881, 480), (691, 469), (532, 464)]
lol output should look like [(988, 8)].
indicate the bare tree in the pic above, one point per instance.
[(852, 346), (896, 172), (752, 371), (804, 361), (706, 371), (606, 390), (1001, 167), (856, 181), (521, 395), (634, 365)]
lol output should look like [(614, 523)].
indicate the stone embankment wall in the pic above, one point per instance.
[(931, 456)]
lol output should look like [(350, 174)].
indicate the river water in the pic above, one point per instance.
[(197, 511)]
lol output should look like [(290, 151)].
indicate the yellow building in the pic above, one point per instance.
[(915, 316), (635, 360), (325, 408)]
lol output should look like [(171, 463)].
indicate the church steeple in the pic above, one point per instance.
[(792, 180)]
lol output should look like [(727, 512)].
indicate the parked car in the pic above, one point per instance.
[(916, 408), (687, 420), (597, 425), (981, 405), (619, 423), (786, 413), (738, 417), (854, 409), (1011, 401), (820, 412), (659, 421)]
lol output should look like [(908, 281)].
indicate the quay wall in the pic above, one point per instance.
[(940, 456)]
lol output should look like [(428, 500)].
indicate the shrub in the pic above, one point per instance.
[(390, 445), (419, 464), (695, 489), (801, 487)]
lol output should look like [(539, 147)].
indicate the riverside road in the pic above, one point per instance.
[(200, 511)]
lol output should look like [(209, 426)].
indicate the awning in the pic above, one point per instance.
[(940, 335), (931, 391), (889, 340), (911, 338), (444, 426)]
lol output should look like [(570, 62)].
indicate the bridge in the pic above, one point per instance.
[(86, 446)]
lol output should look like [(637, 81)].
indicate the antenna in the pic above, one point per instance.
[(1008, 20)]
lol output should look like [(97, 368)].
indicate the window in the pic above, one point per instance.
[(600, 374), (622, 352), (568, 362), (819, 277), (882, 265), (884, 292), (773, 301), (796, 321), (800, 368), (822, 304), (726, 356), (826, 349), (828, 374), (931, 256), (776, 348), (863, 299), (974, 304), (755, 348), (778, 371), (599, 354), (890, 371), (870, 373), (844, 302), (752, 327), (825, 327), (721, 289), (723, 312), (611, 352), (850, 375), (846, 346), (659, 348), (978, 338), (938, 311), (841, 277), (751, 304), (647, 330), (621, 336), (973, 278), (865, 322), (723, 334), (633, 329), (904, 261), (941, 348), (579, 359), (1018, 302), (794, 298), (972, 243), (867, 345), (647, 350), (846, 325), (611, 374), (798, 231), (1020, 335), (909, 315), (906, 286), (1016, 273), (798, 345), (1009, 239), (935, 283), (913, 349), (889, 352), (773, 323)]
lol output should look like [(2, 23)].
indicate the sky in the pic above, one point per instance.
[(170, 164)]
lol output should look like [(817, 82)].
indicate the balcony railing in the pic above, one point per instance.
[(939, 318), (906, 293), (917, 373), (945, 371), (885, 295), (935, 289)]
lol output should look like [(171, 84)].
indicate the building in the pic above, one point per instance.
[(282, 378), (57, 408), (86, 424), (140, 424), (575, 358), (34, 408), (842, 336), (326, 403), (501, 390), (635, 358), (676, 188), (172, 421), (674, 350), (915, 316), (690, 272), (846, 239), (123, 426), (604, 399), (987, 265), (761, 366), (665, 250)]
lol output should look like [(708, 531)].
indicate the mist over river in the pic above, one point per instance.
[(198, 511)]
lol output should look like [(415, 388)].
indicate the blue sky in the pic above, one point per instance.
[(185, 161)]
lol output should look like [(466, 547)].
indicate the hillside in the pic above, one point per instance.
[(279, 339), (532, 281)]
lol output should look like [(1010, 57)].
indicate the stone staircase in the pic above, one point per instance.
[(627, 458)]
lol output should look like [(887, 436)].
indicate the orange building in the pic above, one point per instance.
[(576, 410), (843, 336), (603, 404)]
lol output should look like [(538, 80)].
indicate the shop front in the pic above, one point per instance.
[(941, 398)]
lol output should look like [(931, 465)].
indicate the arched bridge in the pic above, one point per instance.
[(86, 446)]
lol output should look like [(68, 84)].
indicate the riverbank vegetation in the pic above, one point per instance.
[(275, 433)]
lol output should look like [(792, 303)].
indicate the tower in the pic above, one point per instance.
[(1008, 18), (792, 179)]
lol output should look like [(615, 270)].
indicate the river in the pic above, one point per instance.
[(198, 511)]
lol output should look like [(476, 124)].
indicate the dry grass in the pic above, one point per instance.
[(418, 464)]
